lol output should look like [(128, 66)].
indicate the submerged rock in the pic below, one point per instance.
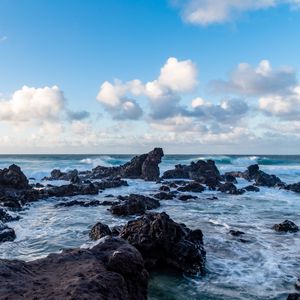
[(230, 188), (134, 204), (164, 242), (295, 187), (294, 296), (164, 196), (80, 203), (6, 217), (7, 234), (186, 197), (111, 270), (286, 226), (193, 187)]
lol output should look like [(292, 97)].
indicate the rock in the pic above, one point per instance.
[(111, 270), (202, 171), (186, 197), (98, 231), (236, 232), (5, 217), (230, 188), (143, 166), (7, 234), (57, 174), (295, 187), (76, 179), (72, 190), (79, 203), (297, 284), (286, 226), (134, 204), (13, 178), (212, 198), (110, 183), (294, 296), (163, 242), (230, 178), (164, 188), (164, 196), (251, 188), (193, 187)]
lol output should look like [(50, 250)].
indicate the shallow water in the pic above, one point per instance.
[(265, 267)]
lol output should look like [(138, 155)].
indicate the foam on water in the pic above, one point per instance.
[(264, 266)]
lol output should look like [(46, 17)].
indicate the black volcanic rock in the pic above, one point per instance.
[(294, 296), (98, 231), (286, 226), (134, 204), (6, 217), (164, 196), (230, 188), (7, 234), (194, 187), (72, 190), (13, 178), (295, 187), (186, 197), (164, 242), (111, 270)]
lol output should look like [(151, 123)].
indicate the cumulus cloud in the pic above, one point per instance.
[(255, 81), (163, 92), (207, 12), (33, 104)]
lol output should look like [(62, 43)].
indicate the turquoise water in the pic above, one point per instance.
[(265, 267)]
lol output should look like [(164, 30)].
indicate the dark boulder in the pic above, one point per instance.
[(202, 171), (230, 188), (79, 203), (99, 231), (6, 217), (111, 270), (7, 234), (164, 242), (134, 204), (13, 178), (164, 196), (164, 188), (193, 187), (230, 178), (295, 187), (251, 188), (294, 296), (110, 183), (286, 226), (186, 197), (236, 232), (72, 190)]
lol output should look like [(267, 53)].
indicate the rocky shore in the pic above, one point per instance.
[(117, 267)]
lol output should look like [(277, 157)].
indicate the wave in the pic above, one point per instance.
[(103, 160)]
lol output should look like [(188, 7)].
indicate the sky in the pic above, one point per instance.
[(124, 76)]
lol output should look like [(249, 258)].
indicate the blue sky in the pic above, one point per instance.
[(213, 76)]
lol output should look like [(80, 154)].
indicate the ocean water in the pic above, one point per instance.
[(265, 267)]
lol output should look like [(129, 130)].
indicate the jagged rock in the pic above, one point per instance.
[(13, 178), (164, 188), (164, 196), (295, 187), (57, 174), (5, 217), (194, 187), (80, 203), (143, 166), (286, 226), (186, 197), (98, 231), (7, 234), (251, 188), (230, 178), (230, 188), (111, 183), (111, 270), (134, 204), (202, 171), (163, 242), (72, 190), (294, 296)]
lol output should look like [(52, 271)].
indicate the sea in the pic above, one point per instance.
[(265, 265)]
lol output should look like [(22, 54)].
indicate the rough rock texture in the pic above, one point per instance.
[(295, 187), (111, 270), (294, 296), (134, 204), (80, 203), (6, 234), (13, 178), (164, 242), (72, 190), (286, 226), (6, 217), (186, 197), (194, 187), (164, 196), (230, 188), (98, 231), (205, 172), (57, 174)]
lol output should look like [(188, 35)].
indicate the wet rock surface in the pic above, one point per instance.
[(133, 204), (286, 226), (99, 231), (111, 270), (294, 296), (7, 234)]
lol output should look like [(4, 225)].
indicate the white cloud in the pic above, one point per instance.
[(255, 81), (163, 92), (207, 12), (33, 105)]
